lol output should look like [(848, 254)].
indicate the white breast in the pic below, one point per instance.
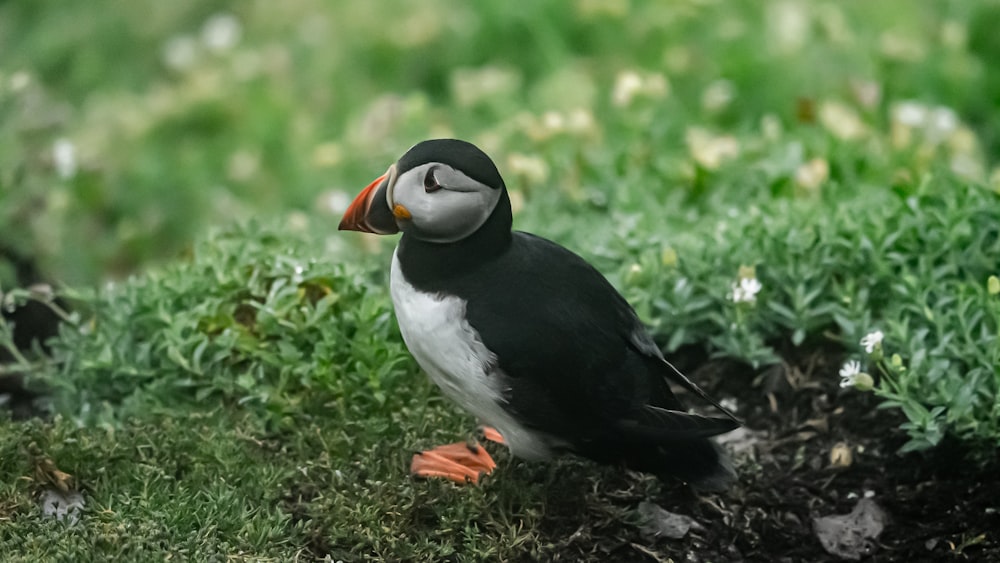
[(453, 355)]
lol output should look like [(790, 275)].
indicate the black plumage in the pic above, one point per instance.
[(579, 364)]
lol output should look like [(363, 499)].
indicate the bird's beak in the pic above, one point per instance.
[(370, 212)]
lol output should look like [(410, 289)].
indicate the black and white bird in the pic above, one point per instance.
[(523, 333)]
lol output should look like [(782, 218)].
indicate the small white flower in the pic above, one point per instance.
[(849, 373), (221, 32), (19, 81), (627, 85), (812, 174), (941, 123), (580, 121), (471, 86), (718, 96), (64, 158), (533, 168), (710, 150), (334, 202), (180, 53), (746, 290), (872, 340), (842, 121), (553, 121), (910, 113)]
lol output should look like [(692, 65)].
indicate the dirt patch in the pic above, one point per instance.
[(811, 450)]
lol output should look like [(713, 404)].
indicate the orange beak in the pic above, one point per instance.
[(369, 212)]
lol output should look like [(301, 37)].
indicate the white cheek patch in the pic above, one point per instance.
[(455, 215), (448, 214)]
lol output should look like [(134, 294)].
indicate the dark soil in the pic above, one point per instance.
[(942, 505)]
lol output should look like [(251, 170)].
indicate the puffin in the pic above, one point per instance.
[(524, 334)]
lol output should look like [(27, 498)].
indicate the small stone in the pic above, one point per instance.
[(63, 506), (656, 522), (851, 536), (841, 456)]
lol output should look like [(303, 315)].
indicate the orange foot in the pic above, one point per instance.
[(492, 435), (462, 462)]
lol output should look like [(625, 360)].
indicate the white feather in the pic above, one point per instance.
[(452, 353)]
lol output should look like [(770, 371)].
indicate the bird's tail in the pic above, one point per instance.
[(701, 463), (718, 476)]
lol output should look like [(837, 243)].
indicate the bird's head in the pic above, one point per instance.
[(440, 191)]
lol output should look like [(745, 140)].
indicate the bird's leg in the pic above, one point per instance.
[(462, 462), (489, 433)]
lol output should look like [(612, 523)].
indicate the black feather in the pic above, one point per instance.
[(579, 363), (460, 155), (576, 361)]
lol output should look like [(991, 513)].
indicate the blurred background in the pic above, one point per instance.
[(127, 128)]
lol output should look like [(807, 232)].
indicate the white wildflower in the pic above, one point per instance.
[(221, 32), (746, 290), (297, 221), (472, 86), (180, 53), (788, 24), (710, 150), (941, 123), (64, 158), (910, 113), (866, 93), (656, 85), (967, 166), (553, 121), (872, 340), (718, 96), (580, 121), (334, 202), (532, 168), (629, 84), (849, 373), (19, 81), (770, 127), (812, 174), (841, 121)]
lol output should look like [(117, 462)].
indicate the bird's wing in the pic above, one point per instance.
[(573, 349), (644, 344)]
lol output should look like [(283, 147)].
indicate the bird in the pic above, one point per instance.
[(525, 334)]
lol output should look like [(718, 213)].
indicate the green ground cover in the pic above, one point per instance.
[(230, 381)]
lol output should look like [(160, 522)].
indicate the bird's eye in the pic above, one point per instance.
[(430, 182)]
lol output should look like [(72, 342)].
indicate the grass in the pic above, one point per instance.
[(242, 391)]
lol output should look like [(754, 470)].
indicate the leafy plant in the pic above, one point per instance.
[(256, 318)]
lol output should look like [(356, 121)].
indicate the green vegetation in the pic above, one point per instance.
[(241, 389)]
